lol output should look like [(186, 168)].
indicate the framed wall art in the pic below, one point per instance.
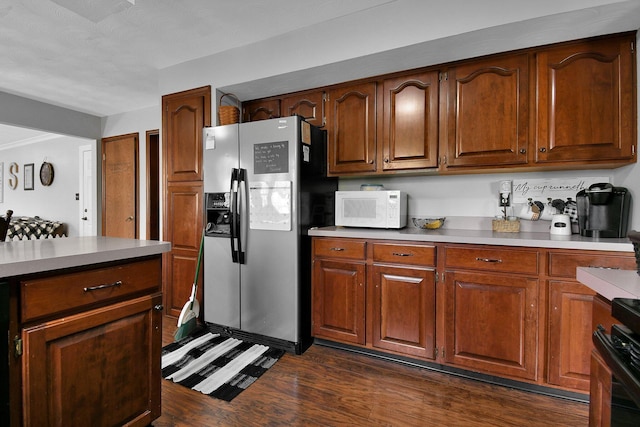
[(28, 176)]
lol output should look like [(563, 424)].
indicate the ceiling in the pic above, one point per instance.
[(103, 57)]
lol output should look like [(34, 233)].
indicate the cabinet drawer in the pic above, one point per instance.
[(68, 292), (404, 254), (563, 264), (493, 259), (339, 248)]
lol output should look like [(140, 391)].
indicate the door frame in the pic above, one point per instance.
[(154, 180)]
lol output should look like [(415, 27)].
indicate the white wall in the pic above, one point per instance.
[(56, 202)]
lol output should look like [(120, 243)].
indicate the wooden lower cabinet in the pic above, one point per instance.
[(91, 357), (339, 300), (571, 308), (100, 368), (570, 313), (403, 303), (600, 393), (491, 323), (511, 312)]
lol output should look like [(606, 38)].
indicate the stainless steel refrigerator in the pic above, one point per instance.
[(265, 185)]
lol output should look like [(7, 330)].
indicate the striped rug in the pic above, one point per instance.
[(218, 366)]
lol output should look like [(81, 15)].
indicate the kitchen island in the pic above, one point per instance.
[(83, 319), (497, 305)]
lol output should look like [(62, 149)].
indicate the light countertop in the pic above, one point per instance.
[(33, 256), (610, 283), (481, 237)]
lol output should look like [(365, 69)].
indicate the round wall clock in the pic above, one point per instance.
[(46, 173)]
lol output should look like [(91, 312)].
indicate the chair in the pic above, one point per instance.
[(4, 225)]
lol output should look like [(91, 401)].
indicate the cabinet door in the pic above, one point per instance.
[(309, 105), (491, 323), (404, 310), (339, 301), (99, 368), (570, 332), (488, 112), (261, 109), (183, 224), (586, 109), (351, 128), (410, 122), (184, 115)]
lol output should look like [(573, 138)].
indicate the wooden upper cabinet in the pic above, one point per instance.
[(586, 101), (184, 116), (308, 105), (487, 112), (410, 122), (351, 128), (261, 109)]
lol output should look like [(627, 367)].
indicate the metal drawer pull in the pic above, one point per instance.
[(604, 268), (336, 249), (107, 285), (488, 260), (400, 254)]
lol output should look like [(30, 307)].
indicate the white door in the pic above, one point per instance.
[(87, 205)]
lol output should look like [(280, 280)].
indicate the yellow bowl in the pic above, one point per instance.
[(428, 223)]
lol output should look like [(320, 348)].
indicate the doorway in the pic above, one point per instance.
[(86, 194), (120, 186), (153, 184)]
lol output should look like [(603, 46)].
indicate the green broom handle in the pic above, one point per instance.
[(195, 281)]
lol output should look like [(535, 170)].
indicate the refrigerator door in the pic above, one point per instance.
[(221, 275), (269, 285)]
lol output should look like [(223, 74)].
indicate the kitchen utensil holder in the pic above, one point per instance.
[(505, 226), (228, 114)]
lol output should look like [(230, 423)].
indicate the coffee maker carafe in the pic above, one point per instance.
[(603, 211)]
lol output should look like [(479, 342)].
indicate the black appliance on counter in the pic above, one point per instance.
[(621, 352), (603, 211)]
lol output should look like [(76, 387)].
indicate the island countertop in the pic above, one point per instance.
[(34, 256), (480, 237)]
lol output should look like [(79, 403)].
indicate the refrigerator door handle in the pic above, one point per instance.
[(233, 193), (242, 211)]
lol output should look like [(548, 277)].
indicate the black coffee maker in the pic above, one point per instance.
[(603, 211)]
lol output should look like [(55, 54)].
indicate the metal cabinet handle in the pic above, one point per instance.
[(158, 307), (523, 151), (488, 260), (336, 249), (400, 254), (104, 286), (543, 149)]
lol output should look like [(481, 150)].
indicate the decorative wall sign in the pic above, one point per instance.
[(555, 188), (28, 176), (46, 174), (13, 177)]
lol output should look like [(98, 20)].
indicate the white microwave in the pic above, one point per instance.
[(376, 209)]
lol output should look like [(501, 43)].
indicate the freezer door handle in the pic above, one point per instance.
[(233, 206), (241, 206)]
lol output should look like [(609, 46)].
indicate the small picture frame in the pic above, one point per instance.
[(28, 176)]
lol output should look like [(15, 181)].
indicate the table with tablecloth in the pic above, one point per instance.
[(34, 228)]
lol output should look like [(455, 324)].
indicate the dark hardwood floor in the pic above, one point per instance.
[(331, 387)]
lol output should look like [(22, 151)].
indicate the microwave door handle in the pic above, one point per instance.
[(242, 213), (234, 213)]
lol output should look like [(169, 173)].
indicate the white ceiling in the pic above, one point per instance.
[(102, 57)]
